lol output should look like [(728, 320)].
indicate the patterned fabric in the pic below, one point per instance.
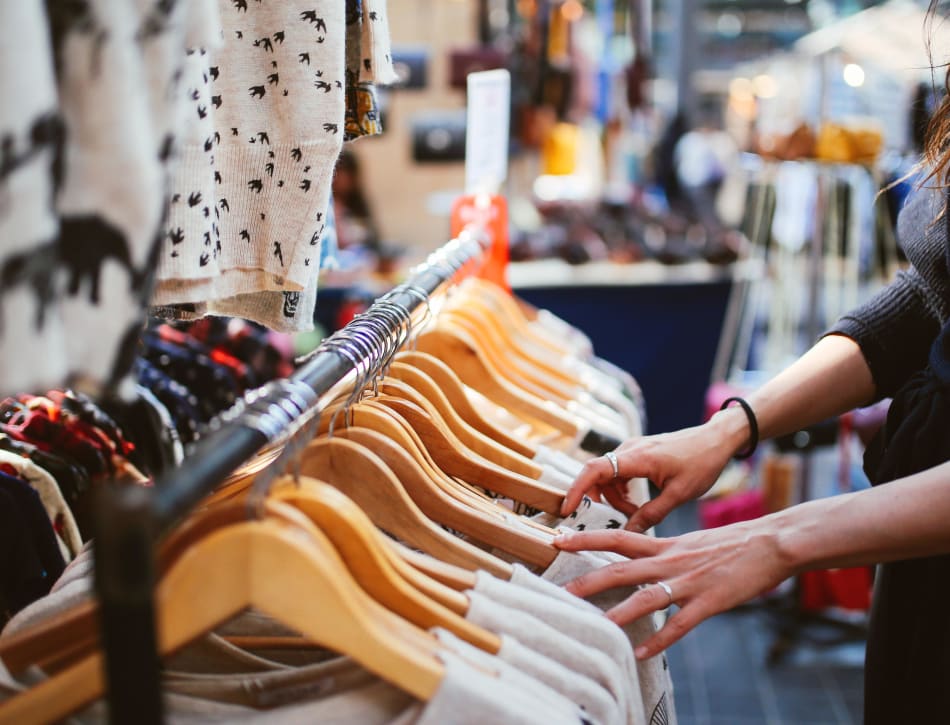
[(249, 203), (86, 144)]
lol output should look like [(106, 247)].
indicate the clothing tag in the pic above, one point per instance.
[(486, 142)]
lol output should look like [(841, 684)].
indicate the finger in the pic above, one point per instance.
[(599, 580), (596, 471), (619, 541), (615, 498), (652, 512), (618, 574), (639, 604), (673, 631)]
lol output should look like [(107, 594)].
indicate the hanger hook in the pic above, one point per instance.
[(427, 315), (401, 320), (339, 345)]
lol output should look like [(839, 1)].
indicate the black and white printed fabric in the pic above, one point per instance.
[(250, 200), (87, 141)]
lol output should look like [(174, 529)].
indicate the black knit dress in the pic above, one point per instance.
[(905, 337)]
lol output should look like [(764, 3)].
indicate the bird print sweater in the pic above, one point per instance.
[(249, 201)]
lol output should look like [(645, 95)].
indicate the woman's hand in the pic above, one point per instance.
[(708, 572), (683, 465)]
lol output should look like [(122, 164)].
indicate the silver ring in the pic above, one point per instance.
[(612, 457), (669, 592)]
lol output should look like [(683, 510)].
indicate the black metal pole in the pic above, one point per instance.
[(124, 576)]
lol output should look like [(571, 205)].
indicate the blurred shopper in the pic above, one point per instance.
[(702, 158)]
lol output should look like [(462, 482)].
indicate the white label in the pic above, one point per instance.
[(486, 139)]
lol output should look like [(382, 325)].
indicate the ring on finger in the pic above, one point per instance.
[(612, 457), (669, 592)]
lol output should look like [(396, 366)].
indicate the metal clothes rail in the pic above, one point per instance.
[(129, 520)]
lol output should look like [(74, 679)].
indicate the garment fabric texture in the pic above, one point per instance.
[(31, 559), (896, 327), (249, 201), (87, 139), (590, 628), (547, 641), (656, 684)]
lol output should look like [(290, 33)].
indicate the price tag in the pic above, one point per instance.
[(486, 140)]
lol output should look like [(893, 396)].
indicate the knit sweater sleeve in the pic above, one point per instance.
[(894, 330)]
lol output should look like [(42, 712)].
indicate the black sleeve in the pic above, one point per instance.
[(894, 330)]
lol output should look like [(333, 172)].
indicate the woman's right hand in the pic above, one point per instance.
[(683, 465)]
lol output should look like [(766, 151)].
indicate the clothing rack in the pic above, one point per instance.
[(130, 519)]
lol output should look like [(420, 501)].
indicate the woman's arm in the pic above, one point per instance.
[(829, 379), (713, 570)]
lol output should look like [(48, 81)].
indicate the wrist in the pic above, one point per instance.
[(732, 429), (795, 537)]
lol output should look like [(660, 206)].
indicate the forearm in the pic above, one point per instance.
[(831, 378), (902, 519)]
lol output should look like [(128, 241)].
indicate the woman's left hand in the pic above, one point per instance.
[(707, 571)]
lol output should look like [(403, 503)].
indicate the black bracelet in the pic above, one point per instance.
[(753, 427)]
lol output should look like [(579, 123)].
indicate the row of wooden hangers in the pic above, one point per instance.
[(411, 460)]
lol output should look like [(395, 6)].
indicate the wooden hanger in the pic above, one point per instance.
[(470, 495), (288, 573), (364, 551), (361, 473), (530, 381), (433, 400), (453, 388), (56, 643), (510, 309), (390, 423), (539, 366), (454, 458), (284, 489), (464, 356), (437, 505), (452, 576)]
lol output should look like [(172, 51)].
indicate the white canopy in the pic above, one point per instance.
[(894, 36)]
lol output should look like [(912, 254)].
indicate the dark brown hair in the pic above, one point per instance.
[(937, 146)]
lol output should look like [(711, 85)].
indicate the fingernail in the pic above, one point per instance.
[(636, 528), (562, 539), (641, 653), (570, 588)]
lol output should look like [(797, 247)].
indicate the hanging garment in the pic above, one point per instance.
[(61, 518), (32, 336), (591, 629), (332, 686), (88, 146), (31, 560), (249, 204), (656, 685), (362, 108), (285, 311)]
